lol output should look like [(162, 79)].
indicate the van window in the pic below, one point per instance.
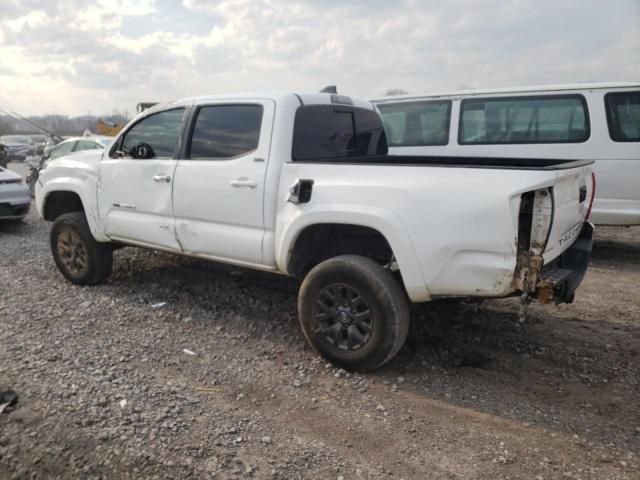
[(411, 124), (537, 119), (623, 116), (225, 131), (328, 133)]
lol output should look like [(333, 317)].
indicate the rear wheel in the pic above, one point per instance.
[(353, 312), (80, 258)]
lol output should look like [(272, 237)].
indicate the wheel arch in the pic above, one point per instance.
[(58, 199), (311, 238), (59, 202)]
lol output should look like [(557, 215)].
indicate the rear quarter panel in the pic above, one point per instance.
[(453, 230)]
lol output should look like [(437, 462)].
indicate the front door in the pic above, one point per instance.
[(135, 182), (219, 185)]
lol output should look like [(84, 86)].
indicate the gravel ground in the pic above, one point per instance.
[(107, 389)]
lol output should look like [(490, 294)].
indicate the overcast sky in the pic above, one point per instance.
[(74, 56)]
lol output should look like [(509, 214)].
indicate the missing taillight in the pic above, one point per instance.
[(525, 219), (534, 220)]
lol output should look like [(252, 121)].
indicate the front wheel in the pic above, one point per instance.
[(80, 258), (353, 312)]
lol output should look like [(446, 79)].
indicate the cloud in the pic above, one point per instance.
[(80, 56)]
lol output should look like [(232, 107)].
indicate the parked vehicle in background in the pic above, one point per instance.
[(77, 144), (18, 146), (66, 147), (302, 185), (38, 143), (4, 156), (594, 121), (14, 196)]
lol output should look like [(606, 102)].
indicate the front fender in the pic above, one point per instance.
[(49, 184), (292, 220)]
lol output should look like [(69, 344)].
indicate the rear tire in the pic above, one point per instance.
[(353, 312), (80, 258)]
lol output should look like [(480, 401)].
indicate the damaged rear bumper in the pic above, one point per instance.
[(558, 280)]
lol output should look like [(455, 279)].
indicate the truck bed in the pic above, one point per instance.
[(454, 227), (460, 162)]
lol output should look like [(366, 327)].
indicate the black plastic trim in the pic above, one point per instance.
[(576, 259), (454, 162)]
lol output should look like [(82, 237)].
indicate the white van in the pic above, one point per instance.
[(582, 121)]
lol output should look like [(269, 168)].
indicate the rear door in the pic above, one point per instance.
[(219, 184), (136, 178)]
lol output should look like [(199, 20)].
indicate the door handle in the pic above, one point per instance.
[(243, 183), (162, 178)]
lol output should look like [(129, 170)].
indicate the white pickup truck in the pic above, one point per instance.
[(302, 185)]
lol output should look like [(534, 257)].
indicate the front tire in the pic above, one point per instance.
[(80, 258), (353, 312)]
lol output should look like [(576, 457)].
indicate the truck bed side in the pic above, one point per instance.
[(453, 231)]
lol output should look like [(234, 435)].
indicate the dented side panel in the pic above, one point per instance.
[(134, 204)]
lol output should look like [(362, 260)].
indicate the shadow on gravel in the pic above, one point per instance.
[(577, 369), (12, 227), (221, 290), (455, 351), (613, 254)]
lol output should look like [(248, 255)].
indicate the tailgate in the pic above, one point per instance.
[(572, 196)]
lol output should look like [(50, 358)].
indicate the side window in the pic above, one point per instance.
[(225, 131), (538, 119), (62, 149), (623, 116), (155, 136), (416, 123), (330, 133), (85, 145)]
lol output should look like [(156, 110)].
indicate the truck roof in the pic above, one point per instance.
[(527, 89), (303, 98)]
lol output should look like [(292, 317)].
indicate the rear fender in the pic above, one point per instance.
[(293, 220)]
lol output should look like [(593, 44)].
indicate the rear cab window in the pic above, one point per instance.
[(416, 123), (517, 120), (334, 133), (623, 116)]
